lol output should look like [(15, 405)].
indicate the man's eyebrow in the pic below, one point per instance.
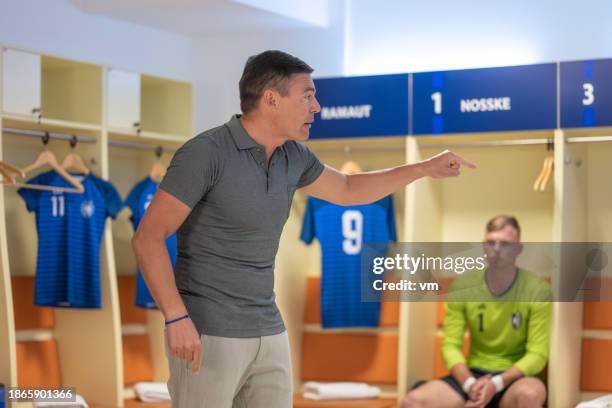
[(310, 88)]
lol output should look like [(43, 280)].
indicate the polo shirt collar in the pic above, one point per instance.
[(242, 139)]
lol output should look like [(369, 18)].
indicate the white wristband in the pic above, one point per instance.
[(498, 381), (467, 384)]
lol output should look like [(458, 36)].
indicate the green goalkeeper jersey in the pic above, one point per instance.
[(507, 330)]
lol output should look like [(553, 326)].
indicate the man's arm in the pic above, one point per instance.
[(364, 188), (452, 340), (538, 334), (536, 356), (452, 353), (163, 217)]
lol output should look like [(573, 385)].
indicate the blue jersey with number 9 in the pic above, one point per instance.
[(342, 232)]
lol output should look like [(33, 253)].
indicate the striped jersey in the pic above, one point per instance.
[(344, 232), (70, 228)]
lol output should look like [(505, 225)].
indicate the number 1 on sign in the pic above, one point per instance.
[(436, 97)]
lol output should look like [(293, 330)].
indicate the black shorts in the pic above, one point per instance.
[(477, 373)]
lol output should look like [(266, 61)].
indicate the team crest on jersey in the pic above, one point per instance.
[(148, 201), (87, 209), (517, 319)]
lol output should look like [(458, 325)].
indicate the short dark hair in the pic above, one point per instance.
[(500, 221), (269, 69)]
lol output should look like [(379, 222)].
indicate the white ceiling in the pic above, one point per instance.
[(205, 17)]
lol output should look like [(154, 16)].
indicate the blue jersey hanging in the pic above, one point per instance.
[(342, 232), (70, 228), (138, 201)]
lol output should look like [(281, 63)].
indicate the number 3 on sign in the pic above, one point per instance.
[(589, 94), (436, 97), (352, 231)]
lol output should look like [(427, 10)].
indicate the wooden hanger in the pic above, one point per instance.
[(43, 187), (7, 176), (158, 171), (46, 157), (351, 167), (10, 174), (547, 169), (536, 184), (74, 161)]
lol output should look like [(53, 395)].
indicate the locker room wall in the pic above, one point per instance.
[(449, 35), (101, 40), (216, 73)]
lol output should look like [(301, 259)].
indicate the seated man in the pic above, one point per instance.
[(508, 319)]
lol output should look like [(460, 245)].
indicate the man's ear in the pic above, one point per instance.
[(270, 98)]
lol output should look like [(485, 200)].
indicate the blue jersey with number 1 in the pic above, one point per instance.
[(342, 232), (138, 200), (70, 228)]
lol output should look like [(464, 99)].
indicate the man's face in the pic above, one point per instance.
[(502, 247), (296, 110)]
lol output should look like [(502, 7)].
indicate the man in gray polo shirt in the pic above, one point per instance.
[(228, 192)]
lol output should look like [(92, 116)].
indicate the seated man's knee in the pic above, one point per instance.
[(529, 397)]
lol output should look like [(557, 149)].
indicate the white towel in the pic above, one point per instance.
[(152, 392), (79, 403), (601, 402), (339, 390)]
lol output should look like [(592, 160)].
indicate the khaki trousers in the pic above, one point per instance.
[(235, 373)]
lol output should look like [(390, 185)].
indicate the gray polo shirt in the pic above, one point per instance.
[(227, 245)]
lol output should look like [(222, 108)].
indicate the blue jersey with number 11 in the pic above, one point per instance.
[(70, 228), (342, 232)]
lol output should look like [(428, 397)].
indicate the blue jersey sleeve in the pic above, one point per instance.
[(112, 200), (31, 196), (308, 226), (391, 219), (114, 203), (133, 197)]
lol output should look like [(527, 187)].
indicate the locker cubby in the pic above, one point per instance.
[(142, 329), (297, 283), (165, 108), (457, 210), (63, 347), (71, 91), (80, 348), (587, 197), (47, 91)]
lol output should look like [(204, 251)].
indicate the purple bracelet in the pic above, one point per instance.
[(177, 319)]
